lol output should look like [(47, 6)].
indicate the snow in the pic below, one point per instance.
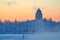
[(36, 36)]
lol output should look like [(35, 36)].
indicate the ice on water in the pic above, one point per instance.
[(37, 36)]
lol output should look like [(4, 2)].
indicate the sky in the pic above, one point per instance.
[(25, 9)]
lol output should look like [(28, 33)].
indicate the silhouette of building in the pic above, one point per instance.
[(29, 26), (38, 14)]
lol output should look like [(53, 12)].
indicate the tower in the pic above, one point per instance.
[(38, 14)]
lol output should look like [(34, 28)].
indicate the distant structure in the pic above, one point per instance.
[(39, 24), (38, 14)]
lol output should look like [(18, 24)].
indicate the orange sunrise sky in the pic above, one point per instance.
[(25, 9)]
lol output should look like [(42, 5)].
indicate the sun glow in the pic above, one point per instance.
[(25, 9)]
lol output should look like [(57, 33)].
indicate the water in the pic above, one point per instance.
[(40, 36)]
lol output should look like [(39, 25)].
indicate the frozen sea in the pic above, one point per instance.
[(35, 36)]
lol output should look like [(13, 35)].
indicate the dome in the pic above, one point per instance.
[(38, 14)]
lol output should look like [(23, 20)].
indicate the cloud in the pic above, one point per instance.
[(9, 2)]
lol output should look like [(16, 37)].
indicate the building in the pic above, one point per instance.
[(38, 14), (29, 26)]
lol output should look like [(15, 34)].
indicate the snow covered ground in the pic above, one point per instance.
[(36, 36)]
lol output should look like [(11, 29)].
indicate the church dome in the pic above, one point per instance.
[(38, 14)]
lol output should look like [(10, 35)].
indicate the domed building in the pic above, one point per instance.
[(38, 14)]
